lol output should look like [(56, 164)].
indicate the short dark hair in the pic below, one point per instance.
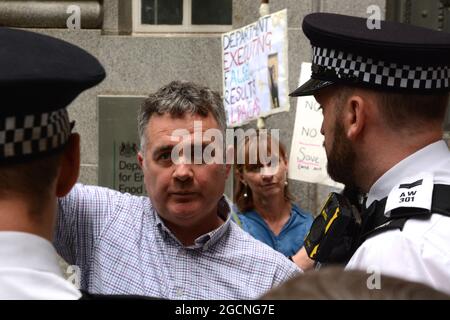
[(404, 110), (410, 110), (179, 98), (30, 179)]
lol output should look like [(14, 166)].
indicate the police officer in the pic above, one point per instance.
[(39, 156), (384, 94)]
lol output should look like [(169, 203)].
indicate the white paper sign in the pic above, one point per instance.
[(308, 160), (255, 69)]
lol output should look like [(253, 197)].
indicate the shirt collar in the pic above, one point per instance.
[(29, 251), (410, 166), (208, 239)]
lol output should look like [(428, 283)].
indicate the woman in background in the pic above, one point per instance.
[(265, 206)]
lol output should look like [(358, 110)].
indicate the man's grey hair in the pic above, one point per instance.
[(178, 99)]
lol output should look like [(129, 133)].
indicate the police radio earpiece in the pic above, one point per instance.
[(334, 234)]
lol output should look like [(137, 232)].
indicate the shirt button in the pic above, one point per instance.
[(179, 292)]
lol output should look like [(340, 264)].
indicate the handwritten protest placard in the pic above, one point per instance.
[(255, 69), (308, 160)]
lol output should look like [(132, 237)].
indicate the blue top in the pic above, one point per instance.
[(291, 237)]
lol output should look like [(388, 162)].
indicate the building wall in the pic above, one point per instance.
[(141, 64)]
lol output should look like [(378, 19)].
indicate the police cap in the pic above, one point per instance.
[(395, 57), (39, 77)]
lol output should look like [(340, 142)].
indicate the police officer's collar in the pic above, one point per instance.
[(24, 250), (424, 159)]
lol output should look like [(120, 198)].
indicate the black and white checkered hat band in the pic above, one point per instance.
[(380, 73), (22, 136)]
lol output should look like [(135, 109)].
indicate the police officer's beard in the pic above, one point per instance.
[(342, 158)]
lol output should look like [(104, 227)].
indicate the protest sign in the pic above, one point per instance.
[(255, 69)]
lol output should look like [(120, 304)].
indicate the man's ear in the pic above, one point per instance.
[(140, 159), (69, 166), (354, 115), (229, 152)]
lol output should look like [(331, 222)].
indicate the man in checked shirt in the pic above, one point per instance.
[(179, 242)]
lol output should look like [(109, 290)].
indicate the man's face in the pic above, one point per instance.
[(339, 149), (184, 194)]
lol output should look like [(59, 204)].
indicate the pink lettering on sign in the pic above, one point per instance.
[(244, 111)]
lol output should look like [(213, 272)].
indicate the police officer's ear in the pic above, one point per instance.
[(354, 115), (69, 166)]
